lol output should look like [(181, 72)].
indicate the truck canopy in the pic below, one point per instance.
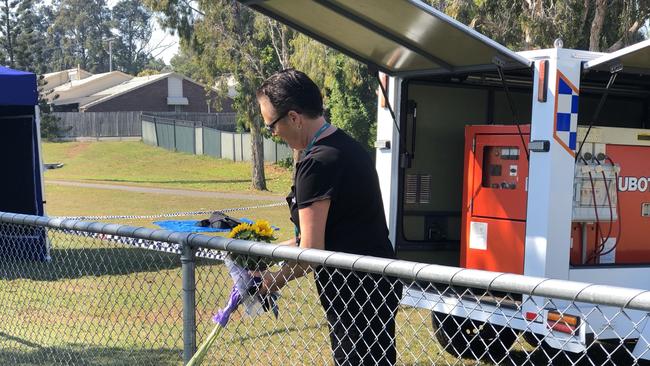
[(635, 58), (398, 37)]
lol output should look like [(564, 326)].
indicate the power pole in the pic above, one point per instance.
[(110, 54)]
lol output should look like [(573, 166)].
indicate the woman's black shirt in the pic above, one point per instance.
[(338, 168)]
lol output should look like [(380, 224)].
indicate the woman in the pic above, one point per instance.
[(336, 205)]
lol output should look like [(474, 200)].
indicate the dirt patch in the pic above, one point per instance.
[(77, 149)]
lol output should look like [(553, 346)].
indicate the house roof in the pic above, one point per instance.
[(91, 79), (125, 87), (128, 86), (99, 88), (58, 78), (74, 90)]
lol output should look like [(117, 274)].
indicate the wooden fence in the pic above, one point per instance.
[(99, 124)]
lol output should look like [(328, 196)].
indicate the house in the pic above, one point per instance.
[(116, 91)]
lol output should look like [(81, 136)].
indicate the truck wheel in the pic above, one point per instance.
[(463, 337)]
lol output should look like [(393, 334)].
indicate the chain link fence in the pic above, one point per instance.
[(106, 294)]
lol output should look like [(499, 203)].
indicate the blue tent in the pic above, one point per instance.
[(21, 186), (17, 88)]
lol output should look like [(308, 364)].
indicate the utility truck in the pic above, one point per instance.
[(534, 162)]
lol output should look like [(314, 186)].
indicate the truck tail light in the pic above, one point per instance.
[(562, 322), (533, 317)]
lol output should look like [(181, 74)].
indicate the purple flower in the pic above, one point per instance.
[(223, 315)]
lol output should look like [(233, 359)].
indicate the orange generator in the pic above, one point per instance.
[(611, 204)]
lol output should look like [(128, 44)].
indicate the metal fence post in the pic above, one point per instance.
[(174, 122), (234, 148), (189, 301)]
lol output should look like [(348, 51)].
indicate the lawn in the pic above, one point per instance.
[(75, 201), (135, 163)]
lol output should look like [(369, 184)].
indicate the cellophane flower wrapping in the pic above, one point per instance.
[(245, 289)]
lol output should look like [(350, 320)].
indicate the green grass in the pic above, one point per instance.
[(135, 163), (75, 201)]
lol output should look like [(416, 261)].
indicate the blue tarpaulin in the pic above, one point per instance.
[(17, 87), (190, 226)]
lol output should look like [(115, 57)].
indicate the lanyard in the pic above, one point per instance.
[(307, 149), (316, 136)]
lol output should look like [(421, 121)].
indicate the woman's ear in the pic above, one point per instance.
[(296, 118)]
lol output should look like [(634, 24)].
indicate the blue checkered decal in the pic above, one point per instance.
[(567, 114)]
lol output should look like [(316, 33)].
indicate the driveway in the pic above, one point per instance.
[(177, 192)]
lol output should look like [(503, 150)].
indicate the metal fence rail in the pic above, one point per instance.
[(225, 121), (113, 294), (197, 137)]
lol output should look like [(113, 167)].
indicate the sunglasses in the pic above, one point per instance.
[(271, 126)]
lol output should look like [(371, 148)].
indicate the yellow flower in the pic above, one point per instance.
[(260, 231), (263, 228), (238, 229)]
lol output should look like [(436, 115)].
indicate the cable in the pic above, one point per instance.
[(390, 109), (618, 212), (611, 214), (598, 252), (513, 110), (597, 233), (612, 78), (609, 203)]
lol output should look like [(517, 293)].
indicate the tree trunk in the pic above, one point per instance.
[(535, 12), (597, 25), (627, 35), (257, 149)]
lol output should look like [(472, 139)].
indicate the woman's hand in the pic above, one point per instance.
[(271, 281), (274, 281)]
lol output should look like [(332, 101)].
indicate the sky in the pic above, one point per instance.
[(164, 38), (159, 37)]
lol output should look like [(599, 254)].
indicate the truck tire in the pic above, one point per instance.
[(467, 338)]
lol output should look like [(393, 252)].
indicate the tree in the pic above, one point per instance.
[(53, 38), (30, 47), (229, 38), (84, 28), (132, 23), (352, 100), (595, 25), (186, 62), (347, 85), (8, 23)]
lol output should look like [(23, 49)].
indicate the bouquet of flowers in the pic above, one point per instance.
[(259, 231), (245, 289)]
